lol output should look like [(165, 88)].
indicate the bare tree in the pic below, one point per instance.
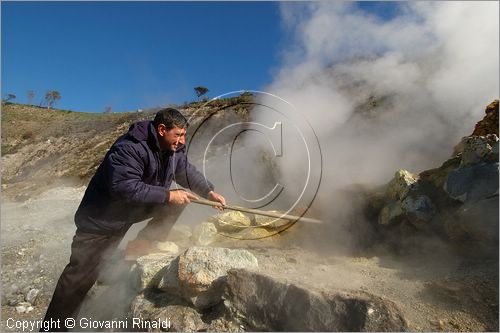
[(200, 91), (51, 97), (30, 95), (9, 97), (108, 109)]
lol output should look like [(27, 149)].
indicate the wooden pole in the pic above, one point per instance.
[(256, 211)]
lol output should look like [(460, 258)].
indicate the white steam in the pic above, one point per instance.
[(427, 75), (380, 95)]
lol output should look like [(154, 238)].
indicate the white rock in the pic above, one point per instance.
[(204, 234), (194, 275), (168, 247), (401, 184), (147, 268), (20, 309), (231, 221)]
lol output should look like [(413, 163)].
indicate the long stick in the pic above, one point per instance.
[(256, 211)]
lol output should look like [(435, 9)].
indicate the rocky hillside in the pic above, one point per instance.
[(41, 146), (44, 148), (457, 202)]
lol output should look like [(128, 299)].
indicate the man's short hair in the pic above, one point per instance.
[(170, 118)]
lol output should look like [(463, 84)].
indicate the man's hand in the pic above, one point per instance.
[(180, 197), (213, 196)]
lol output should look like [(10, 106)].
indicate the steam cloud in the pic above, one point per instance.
[(437, 63), (384, 94)]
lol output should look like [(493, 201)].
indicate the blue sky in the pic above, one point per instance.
[(131, 55)]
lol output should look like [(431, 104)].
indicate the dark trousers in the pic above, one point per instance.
[(163, 220), (88, 252)]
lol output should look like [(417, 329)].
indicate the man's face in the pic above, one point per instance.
[(171, 139)]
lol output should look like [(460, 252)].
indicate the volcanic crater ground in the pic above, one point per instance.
[(434, 293)]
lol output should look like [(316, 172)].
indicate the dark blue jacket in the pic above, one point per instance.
[(133, 178)]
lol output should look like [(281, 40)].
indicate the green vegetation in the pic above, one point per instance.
[(9, 97), (200, 91)]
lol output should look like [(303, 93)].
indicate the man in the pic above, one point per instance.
[(131, 184)]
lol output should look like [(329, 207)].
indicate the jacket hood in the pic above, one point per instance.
[(144, 131), (141, 130)]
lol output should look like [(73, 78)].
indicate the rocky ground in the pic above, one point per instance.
[(36, 235), (438, 293), (428, 260)]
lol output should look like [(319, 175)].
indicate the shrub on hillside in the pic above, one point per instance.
[(27, 135)]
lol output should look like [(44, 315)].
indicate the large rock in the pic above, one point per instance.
[(442, 201), (401, 184), (204, 234), (231, 221), (419, 210), (477, 149), (266, 304), (473, 183), (489, 124), (197, 273), (415, 208), (494, 150), (437, 177), (168, 310), (164, 308), (149, 269), (475, 221), (391, 213)]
